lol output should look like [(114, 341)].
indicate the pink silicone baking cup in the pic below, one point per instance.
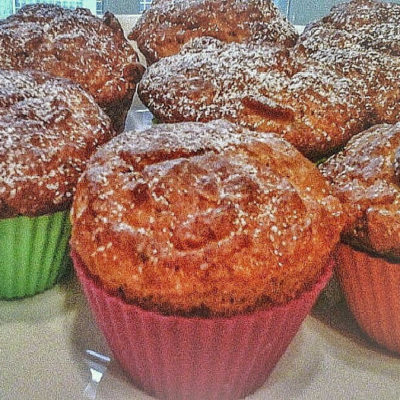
[(177, 358), (371, 286)]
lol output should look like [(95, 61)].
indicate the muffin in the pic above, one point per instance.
[(74, 44), (261, 87), (365, 177), (167, 25), (49, 128), (361, 40), (216, 236), (369, 24)]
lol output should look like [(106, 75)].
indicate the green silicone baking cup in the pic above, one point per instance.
[(33, 253)]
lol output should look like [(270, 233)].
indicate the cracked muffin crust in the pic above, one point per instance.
[(74, 44), (204, 219), (49, 127), (167, 25), (365, 177), (360, 39), (261, 87)]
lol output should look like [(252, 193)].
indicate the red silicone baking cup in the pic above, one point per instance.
[(371, 286), (176, 358)]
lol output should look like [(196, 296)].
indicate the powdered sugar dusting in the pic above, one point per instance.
[(361, 40), (48, 129), (188, 204), (261, 87), (72, 44), (365, 178), (167, 25), (143, 166)]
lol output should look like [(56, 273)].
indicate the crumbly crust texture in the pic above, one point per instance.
[(365, 176), (204, 219), (261, 87), (73, 44), (360, 40), (357, 14), (167, 25), (49, 127)]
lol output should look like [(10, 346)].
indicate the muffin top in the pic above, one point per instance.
[(361, 40), (365, 176), (48, 129), (360, 13), (262, 87), (204, 219), (366, 24), (167, 25), (72, 44), (377, 75)]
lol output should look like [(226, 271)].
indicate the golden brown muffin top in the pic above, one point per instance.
[(359, 24), (261, 87), (360, 13), (377, 74), (48, 129), (321, 37), (365, 177), (72, 44), (384, 38), (167, 25), (360, 39), (204, 219)]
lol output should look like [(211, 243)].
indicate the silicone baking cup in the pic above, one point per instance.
[(33, 253), (371, 286), (175, 358)]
